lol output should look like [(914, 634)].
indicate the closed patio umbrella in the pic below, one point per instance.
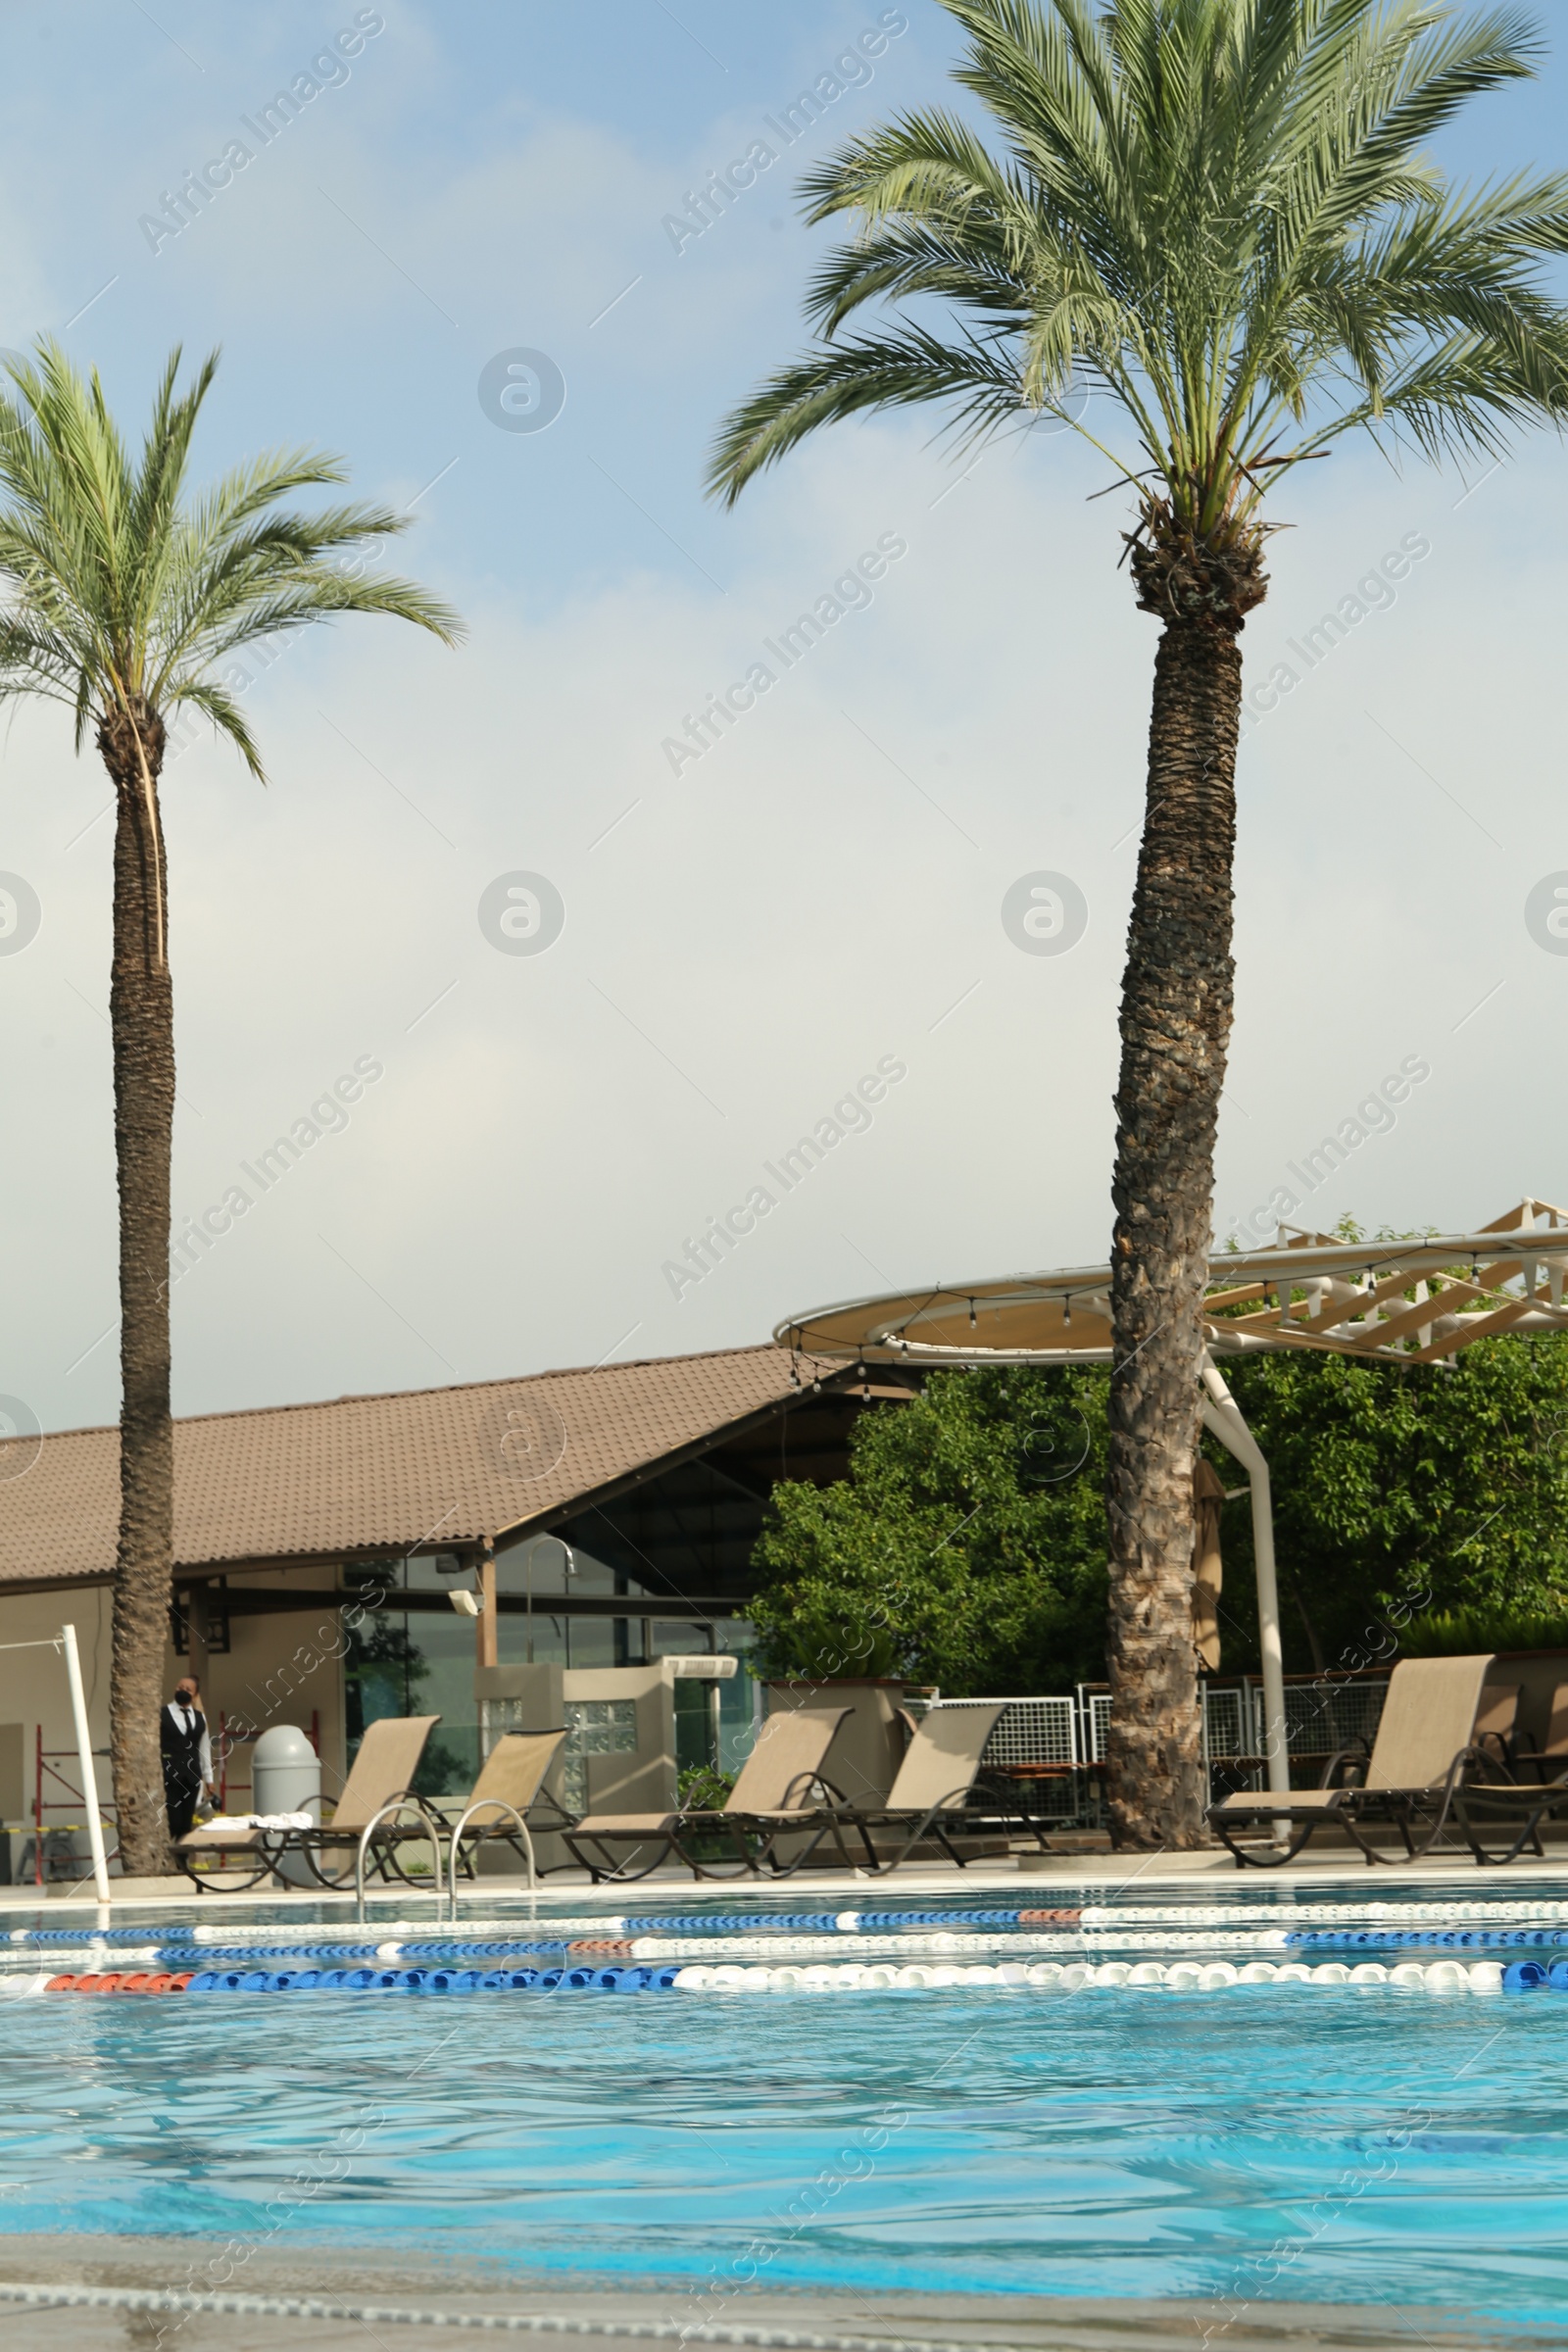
[(1207, 1571)]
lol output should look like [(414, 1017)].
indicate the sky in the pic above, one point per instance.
[(591, 986)]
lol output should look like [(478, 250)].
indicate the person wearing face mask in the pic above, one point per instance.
[(187, 1755)]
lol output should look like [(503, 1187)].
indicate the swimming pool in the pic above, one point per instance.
[(1353, 2147)]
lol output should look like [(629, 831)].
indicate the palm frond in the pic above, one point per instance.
[(1223, 212), (118, 585), (212, 698), (902, 370)]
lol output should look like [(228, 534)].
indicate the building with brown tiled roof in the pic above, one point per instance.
[(602, 1517)]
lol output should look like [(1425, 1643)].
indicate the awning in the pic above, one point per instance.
[(1406, 1302)]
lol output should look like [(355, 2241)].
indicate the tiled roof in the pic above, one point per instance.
[(364, 1474)]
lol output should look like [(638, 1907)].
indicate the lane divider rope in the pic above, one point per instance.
[(42, 2297), (1482, 1977)]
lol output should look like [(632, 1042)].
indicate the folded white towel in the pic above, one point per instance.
[(261, 1821)]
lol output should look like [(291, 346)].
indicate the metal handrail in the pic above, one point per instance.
[(396, 1805), (487, 1804)]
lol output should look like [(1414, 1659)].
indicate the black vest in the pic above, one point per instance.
[(181, 1749)]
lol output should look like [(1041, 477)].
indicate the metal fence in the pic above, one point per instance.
[(1038, 1741), (1321, 1716), (1094, 1715), (1228, 1720), (1028, 1730)]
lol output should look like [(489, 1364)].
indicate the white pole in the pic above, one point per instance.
[(1223, 1415), (90, 1780)]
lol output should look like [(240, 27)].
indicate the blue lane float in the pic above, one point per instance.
[(1392, 1939), (27, 1936), (434, 1981)]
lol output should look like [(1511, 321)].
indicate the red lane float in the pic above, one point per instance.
[(141, 1983)]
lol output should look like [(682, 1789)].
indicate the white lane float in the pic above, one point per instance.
[(1147, 1976)]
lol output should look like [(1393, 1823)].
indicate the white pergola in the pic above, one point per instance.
[(1402, 1302)]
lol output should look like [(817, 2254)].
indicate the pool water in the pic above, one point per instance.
[(1343, 2146)]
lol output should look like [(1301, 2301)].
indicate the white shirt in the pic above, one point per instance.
[(182, 1715)]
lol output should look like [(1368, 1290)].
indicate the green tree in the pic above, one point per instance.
[(1427, 1508), (967, 1547), (1414, 1512), (126, 594), (1219, 215)]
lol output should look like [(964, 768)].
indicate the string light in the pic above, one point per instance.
[(971, 1316)]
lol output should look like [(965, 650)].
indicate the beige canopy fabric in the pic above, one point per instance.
[(1412, 1301), (1208, 1494)]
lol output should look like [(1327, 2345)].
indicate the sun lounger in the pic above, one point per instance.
[(1551, 1760), (1509, 1802), (501, 1802), (941, 1789), (780, 1789), (1424, 1748), (380, 1780), (1515, 1808), (1495, 1722)]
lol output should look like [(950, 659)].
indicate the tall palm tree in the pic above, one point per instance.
[(1217, 215), (124, 594)]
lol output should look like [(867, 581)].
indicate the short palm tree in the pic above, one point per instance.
[(123, 595), (1217, 217)]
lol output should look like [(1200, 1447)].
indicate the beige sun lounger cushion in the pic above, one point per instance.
[(630, 1825), (388, 1760), (934, 1779), (1557, 1724), (1499, 1712), (941, 1760), (215, 1833), (513, 1771), (1428, 1718), (779, 1775)]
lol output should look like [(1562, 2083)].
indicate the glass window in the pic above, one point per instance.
[(417, 1663), (549, 1564), (536, 1641), (679, 1638), (437, 1573), (715, 1722), (738, 1718), (694, 1745), (593, 1642)]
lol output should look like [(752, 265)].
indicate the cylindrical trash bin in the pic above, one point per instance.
[(287, 1778)]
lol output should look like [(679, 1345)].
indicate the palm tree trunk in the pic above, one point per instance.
[(1175, 1027), (142, 1026)]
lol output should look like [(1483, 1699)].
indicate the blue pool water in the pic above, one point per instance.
[(1264, 2144)]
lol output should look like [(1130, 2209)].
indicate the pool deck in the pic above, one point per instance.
[(401, 2308), (1040, 1881)]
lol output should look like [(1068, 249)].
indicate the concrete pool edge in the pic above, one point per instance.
[(1094, 1874), (441, 2302)]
